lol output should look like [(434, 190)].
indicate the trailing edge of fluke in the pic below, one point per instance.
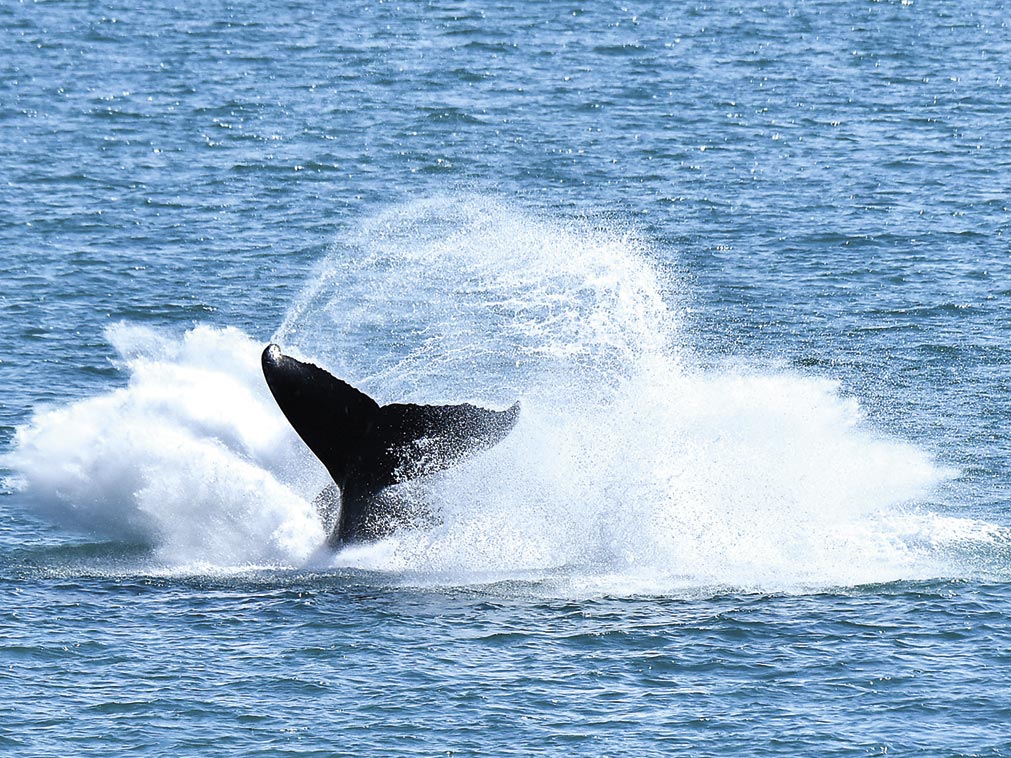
[(367, 447)]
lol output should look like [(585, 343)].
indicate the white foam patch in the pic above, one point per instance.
[(192, 456), (631, 470), (715, 479)]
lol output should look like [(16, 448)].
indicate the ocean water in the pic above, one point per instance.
[(746, 265)]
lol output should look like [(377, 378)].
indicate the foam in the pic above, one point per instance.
[(191, 456)]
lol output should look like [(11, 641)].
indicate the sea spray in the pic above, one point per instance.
[(468, 298), (191, 456), (631, 469), (627, 456), (766, 481)]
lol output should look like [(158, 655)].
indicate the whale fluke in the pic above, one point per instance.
[(367, 447)]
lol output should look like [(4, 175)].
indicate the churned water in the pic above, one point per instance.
[(745, 265)]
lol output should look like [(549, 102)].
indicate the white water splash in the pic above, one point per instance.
[(191, 456), (629, 471)]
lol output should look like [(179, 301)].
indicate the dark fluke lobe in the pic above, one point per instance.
[(367, 447)]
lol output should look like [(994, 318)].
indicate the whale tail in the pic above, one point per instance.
[(367, 447)]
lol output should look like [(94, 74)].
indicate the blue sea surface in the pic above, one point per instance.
[(746, 265)]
